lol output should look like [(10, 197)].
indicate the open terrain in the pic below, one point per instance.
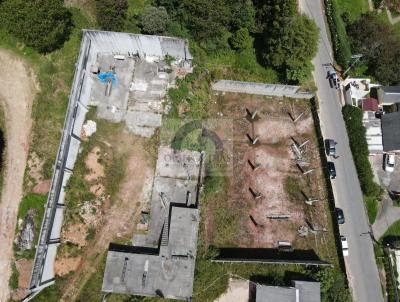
[(18, 89), (266, 204)]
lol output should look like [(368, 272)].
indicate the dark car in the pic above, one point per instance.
[(330, 147), (331, 170), (339, 215)]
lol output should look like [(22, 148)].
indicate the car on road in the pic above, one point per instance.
[(345, 245), (331, 170), (330, 147), (332, 76), (339, 215), (389, 162)]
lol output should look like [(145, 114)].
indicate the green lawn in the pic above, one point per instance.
[(393, 230), (355, 8)]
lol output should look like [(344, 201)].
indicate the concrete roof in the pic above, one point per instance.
[(391, 131), (163, 265), (391, 94), (144, 45), (168, 274), (303, 291)]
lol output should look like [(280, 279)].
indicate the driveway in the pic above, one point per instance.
[(387, 212), (361, 268), (17, 92)]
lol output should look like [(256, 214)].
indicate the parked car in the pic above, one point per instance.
[(330, 147), (389, 162), (333, 77), (345, 245), (339, 215), (331, 170)]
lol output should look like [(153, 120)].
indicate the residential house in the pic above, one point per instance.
[(355, 90), (388, 95), (302, 291), (391, 132)]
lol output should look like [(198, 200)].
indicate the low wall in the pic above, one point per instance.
[(261, 89)]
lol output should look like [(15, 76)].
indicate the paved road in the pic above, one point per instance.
[(360, 264)]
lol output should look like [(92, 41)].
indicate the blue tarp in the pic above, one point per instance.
[(105, 76)]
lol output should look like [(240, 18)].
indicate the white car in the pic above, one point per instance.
[(345, 246), (389, 162)]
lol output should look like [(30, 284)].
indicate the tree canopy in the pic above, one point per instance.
[(154, 20), (42, 24), (289, 39), (111, 14), (380, 47)]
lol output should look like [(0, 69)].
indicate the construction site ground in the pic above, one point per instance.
[(111, 182), (239, 219)]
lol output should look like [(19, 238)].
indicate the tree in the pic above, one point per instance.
[(243, 14), (42, 24), (291, 46), (111, 14), (242, 40), (380, 47), (154, 20)]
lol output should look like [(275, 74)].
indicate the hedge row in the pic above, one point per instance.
[(340, 41), (359, 147)]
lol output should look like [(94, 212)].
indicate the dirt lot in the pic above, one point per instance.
[(278, 184), (18, 90), (108, 217), (238, 291)]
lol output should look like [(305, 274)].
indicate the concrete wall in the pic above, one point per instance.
[(261, 89)]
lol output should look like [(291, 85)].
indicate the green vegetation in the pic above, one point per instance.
[(292, 188), (340, 41), (31, 202), (111, 14), (371, 203), (290, 41), (351, 11), (2, 145), (379, 44), (42, 24), (13, 282), (359, 147), (154, 20)]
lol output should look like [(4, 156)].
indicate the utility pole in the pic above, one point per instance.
[(356, 59)]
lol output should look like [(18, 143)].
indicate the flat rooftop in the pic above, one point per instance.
[(162, 262), (302, 291)]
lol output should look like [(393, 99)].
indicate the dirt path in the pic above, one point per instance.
[(17, 91)]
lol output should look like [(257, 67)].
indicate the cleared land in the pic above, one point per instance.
[(241, 218), (18, 89)]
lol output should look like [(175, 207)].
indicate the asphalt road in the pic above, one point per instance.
[(361, 267)]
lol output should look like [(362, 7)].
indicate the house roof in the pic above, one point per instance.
[(391, 131), (303, 291), (391, 94), (370, 104)]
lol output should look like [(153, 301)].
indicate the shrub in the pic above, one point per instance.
[(341, 44), (111, 14), (154, 20), (359, 147), (42, 24)]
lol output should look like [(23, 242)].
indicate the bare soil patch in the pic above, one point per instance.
[(24, 268), (276, 187), (64, 266), (238, 291), (18, 89), (42, 187), (96, 170), (118, 216)]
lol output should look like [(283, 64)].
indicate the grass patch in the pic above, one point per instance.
[(352, 9), (372, 208), (36, 203), (292, 188), (13, 282), (54, 73)]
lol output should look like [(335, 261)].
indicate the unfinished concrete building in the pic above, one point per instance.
[(162, 262), (126, 76)]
